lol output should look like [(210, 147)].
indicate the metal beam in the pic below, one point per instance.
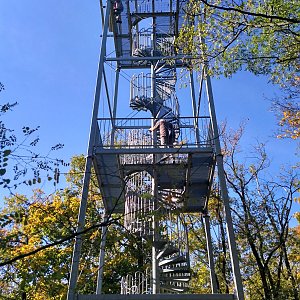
[(147, 127), (158, 297), (210, 256), (203, 150), (101, 256), (133, 119), (88, 165), (107, 94), (151, 58), (113, 120), (224, 192), (200, 92), (155, 222)]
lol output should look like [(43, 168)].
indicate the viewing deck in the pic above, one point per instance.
[(169, 19), (159, 297), (126, 146)]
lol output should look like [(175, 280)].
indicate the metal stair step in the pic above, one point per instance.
[(167, 250), (173, 288), (141, 52), (165, 81), (166, 69), (176, 279), (172, 260), (176, 270), (160, 244)]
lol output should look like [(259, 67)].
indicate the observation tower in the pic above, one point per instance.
[(155, 149)]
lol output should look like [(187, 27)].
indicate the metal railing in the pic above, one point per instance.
[(133, 133), (139, 204), (146, 6), (140, 86), (138, 283), (143, 41), (166, 45), (141, 89), (174, 230)]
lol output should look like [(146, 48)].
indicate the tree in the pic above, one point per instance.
[(287, 111), (44, 227), (28, 225), (261, 209), (258, 36), (262, 212)]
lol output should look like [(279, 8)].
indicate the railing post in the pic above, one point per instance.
[(193, 96), (115, 99)]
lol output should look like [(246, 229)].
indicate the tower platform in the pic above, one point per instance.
[(133, 12), (187, 169), (159, 297)]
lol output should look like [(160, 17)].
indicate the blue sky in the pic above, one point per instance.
[(48, 61)]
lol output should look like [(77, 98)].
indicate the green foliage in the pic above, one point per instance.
[(259, 36), (287, 111), (27, 224), (261, 210)]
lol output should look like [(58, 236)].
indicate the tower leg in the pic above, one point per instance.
[(80, 227), (230, 232), (221, 174), (213, 278), (101, 257), (88, 165), (155, 272)]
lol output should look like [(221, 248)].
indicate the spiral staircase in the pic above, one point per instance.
[(165, 103), (171, 242)]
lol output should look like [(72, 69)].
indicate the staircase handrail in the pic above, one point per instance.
[(138, 283), (142, 40), (176, 232)]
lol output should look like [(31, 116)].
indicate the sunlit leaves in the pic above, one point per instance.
[(290, 121), (28, 223), (231, 40), (242, 35)]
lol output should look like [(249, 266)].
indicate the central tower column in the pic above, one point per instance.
[(155, 223)]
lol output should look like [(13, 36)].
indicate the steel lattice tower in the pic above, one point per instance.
[(156, 164)]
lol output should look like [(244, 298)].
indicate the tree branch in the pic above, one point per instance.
[(249, 13), (58, 242)]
